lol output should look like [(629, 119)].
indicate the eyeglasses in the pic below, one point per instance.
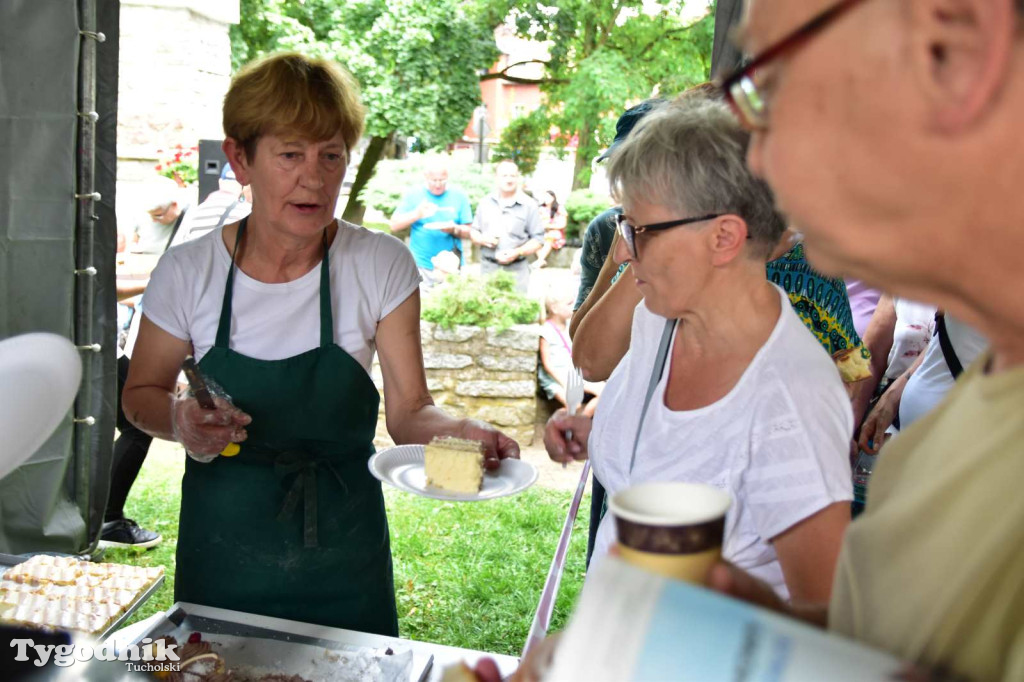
[(746, 92), (160, 214), (628, 231)]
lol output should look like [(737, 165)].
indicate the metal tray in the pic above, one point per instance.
[(241, 628), (8, 561)]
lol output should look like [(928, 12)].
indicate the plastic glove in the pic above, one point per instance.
[(205, 433)]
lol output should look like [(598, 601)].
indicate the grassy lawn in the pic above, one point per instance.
[(467, 574)]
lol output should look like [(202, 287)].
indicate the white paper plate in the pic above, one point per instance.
[(39, 378), (402, 467)]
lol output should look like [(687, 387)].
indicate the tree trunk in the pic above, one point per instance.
[(581, 169), (354, 209)]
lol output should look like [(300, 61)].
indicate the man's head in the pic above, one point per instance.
[(161, 201), (507, 175), (436, 175), (890, 135), (624, 126)]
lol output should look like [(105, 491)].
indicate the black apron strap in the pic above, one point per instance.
[(326, 314), (224, 326), (952, 361), (174, 230), (656, 374)]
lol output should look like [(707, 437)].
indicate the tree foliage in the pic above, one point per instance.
[(607, 54), (522, 139), (417, 61)]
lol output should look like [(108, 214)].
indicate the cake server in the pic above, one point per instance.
[(197, 382)]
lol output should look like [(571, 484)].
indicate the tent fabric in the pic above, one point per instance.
[(51, 502), (724, 55)]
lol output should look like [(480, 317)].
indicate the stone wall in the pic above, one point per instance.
[(482, 374), (175, 67)]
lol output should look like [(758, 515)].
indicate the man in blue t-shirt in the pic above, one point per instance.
[(439, 217)]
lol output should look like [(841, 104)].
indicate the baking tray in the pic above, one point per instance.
[(8, 561), (184, 618)]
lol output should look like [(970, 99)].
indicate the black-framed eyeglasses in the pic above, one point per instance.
[(743, 89), (628, 231)]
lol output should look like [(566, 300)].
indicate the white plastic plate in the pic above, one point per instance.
[(402, 467)]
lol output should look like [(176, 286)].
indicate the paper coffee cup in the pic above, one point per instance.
[(673, 529)]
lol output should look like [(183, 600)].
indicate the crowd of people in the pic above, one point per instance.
[(712, 301), (508, 225)]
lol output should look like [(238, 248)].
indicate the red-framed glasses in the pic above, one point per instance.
[(746, 92)]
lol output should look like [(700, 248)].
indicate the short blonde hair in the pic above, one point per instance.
[(289, 91)]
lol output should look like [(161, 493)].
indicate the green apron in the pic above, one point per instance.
[(294, 525)]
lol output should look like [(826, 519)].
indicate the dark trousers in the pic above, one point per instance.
[(130, 450), (597, 496)]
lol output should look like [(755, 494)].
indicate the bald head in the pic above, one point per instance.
[(435, 173)]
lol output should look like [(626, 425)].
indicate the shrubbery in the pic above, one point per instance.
[(582, 206), (468, 300), (521, 141)]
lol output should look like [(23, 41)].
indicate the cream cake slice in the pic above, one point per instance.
[(455, 464)]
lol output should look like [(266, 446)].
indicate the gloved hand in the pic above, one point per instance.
[(205, 433)]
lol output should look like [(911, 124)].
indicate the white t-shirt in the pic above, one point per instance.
[(778, 442), (933, 380), (559, 350), (372, 273), (915, 323)]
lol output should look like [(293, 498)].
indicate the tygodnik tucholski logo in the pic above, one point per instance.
[(149, 656)]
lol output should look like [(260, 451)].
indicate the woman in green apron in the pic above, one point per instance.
[(284, 312)]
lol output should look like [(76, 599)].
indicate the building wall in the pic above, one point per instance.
[(175, 69), (506, 100)]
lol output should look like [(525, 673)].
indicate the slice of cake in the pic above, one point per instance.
[(455, 465), (459, 672)]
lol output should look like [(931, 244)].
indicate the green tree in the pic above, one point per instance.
[(418, 61), (522, 139), (605, 54)]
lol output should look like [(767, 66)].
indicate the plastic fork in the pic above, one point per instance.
[(573, 398)]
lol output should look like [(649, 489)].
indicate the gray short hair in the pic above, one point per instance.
[(690, 155)]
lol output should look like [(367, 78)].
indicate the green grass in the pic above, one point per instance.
[(466, 574)]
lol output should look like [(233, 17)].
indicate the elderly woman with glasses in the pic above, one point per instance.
[(722, 383)]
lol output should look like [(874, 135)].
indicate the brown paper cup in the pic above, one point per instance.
[(673, 529)]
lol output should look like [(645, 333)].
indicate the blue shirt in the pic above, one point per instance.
[(425, 243)]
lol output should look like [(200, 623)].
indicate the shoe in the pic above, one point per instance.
[(127, 533)]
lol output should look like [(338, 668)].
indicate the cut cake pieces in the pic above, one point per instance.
[(455, 465), (63, 592)]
